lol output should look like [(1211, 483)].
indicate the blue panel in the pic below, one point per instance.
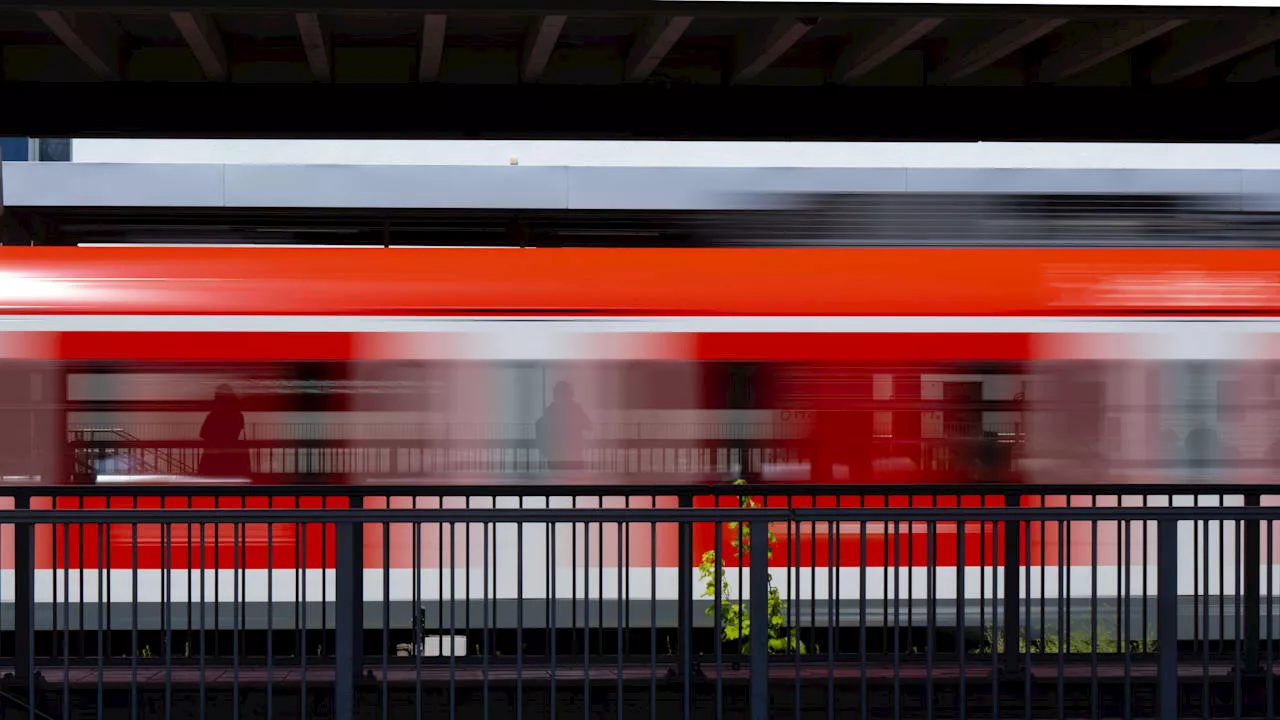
[(14, 149)]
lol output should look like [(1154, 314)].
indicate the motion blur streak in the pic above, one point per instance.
[(638, 366)]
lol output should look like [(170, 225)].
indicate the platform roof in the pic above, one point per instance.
[(640, 68)]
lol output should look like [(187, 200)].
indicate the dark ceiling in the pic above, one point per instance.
[(641, 69)]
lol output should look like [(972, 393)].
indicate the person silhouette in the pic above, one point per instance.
[(224, 455), (562, 429)]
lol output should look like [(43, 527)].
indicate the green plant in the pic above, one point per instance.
[(1079, 642), (735, 621)]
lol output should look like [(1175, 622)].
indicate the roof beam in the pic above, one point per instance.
[(205, 41), (432, 50), (1259, 65), (1231, 39), (653, 44), (861, 57), (313, 41), (1104, 43), (996, 48), (96, 42), (539, 45), (784, 33)]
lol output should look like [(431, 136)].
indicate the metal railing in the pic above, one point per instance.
[(632, 602)]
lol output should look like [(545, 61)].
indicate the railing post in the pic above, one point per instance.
[(759, 558), (1252, 586), (349, 620), (24, 592), (1167, 618), (1012, 587), (684, 592)]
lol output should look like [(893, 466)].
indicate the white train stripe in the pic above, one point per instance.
[(637, 583), (649, 324)]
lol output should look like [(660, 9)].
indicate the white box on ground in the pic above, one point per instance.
[(444, 645)]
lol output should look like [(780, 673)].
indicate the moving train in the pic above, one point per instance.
[(522, 368)]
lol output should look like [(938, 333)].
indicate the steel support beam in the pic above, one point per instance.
[(995, 49), (205, 41), (653, 44), (1230, 39), (1107, 41), (756, 57), (1167, 619), (349, 620), (316, 46), (863, 56), (431, 52), (96, 41), (539, 45), (759, 641)]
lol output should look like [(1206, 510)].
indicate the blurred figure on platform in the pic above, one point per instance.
[(224, 453), (562, 429)]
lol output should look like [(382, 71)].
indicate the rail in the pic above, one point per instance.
[(614, 601)]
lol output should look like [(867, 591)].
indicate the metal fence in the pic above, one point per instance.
[(617, 602)]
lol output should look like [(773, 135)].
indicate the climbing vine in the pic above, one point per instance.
[(735, 621)]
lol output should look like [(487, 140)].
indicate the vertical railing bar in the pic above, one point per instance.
[(1126, 593), (1146, 594), (653, 617), (961, 612), (453, 619), (1237, 530), (622, 568), (203, 646), (897, 618), (1027, 631), (996, 632), (793, 598), (305, 625), (553, 600), (1064, 634), (1270, 667), (1222, 580), (931, 588), (484, 669), (238, 531), (271, 611), (166, 616), (133, 630), (685, 593), (862, 614), (833, 569), (520, 615), (386, 616), (1094, 708), (1204, 646), (66, 625), (1167, 619), (759, 638), (586, 615), (1044, 615)]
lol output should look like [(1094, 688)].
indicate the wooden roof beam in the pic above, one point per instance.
[(653, 44), (431, 53), (539, 45), (996, 48), (1229, 40), (96, 41), (205, 41), (861, 57), (1107, 41), (758, 56), (316, 46)]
